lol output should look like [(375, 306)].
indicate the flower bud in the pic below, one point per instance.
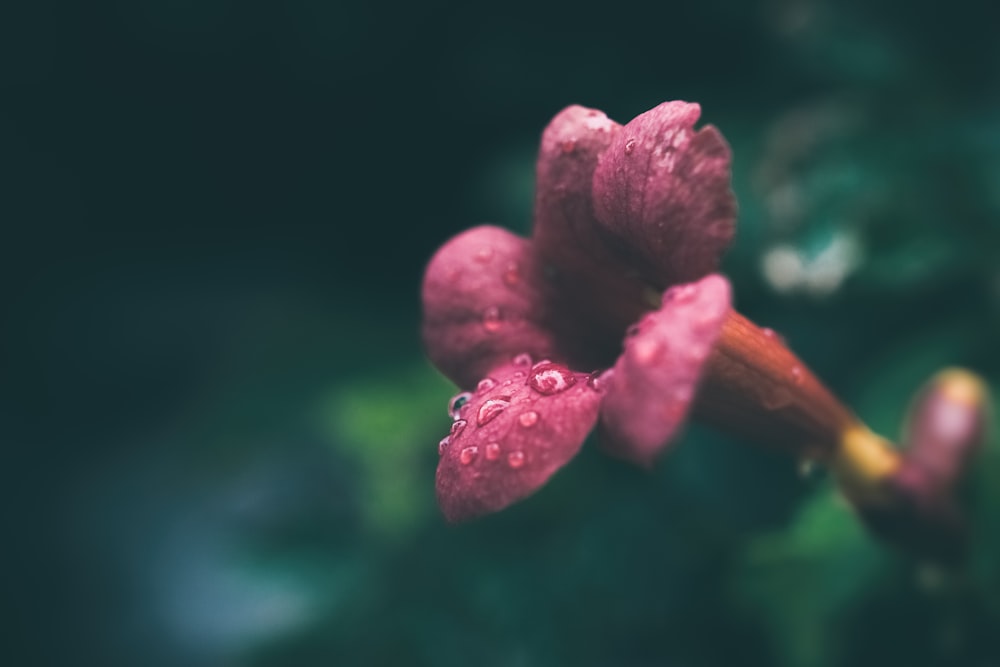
[(947, 426)]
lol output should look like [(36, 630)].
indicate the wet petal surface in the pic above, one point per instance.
[(654, 380), (529, 423), (483, 304), (662, 192)]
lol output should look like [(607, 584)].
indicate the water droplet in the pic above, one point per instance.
[(568, 146), (797, 376), (457, 427), (443, 445), (492, 451), (515, 459), (468, 455), (528, 419), (773, 335), (484, 254), (456, 403), (511, 275), (807, 467), (490, 409), (629, 146), (485, 385), (548, 378), (491, 319), (522, 359), (598, 380)]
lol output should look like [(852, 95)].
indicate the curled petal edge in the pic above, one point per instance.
[(662, 193), (650, 390)]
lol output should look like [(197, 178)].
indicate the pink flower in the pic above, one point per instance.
[(622, 213), (611, 315)]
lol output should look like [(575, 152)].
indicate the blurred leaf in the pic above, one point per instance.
[(799, 580), (387, 424)]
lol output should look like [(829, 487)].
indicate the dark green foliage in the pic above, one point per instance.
[(220, 433)]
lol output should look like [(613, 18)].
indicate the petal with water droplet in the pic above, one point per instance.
[(522, 360), (549, 378), (653, 382), (662, 193), (528, 419), (485, 385), (456, 404), (474, 319), (491, 409), (522, 444)]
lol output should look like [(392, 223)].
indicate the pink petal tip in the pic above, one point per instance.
[(523, 423), (655, 378), (663, 189)]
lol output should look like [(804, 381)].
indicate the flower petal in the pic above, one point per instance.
[(522, 424), (593, 280), (483, 304), (662, 191), (654, 380)]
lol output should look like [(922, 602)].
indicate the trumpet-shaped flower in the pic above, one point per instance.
[(611, 316), (622, 213)]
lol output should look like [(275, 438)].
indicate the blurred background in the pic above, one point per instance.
[(219, 432)]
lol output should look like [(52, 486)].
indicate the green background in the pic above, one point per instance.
[(219, 432)]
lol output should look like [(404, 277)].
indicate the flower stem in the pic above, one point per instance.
[(756, 388)]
